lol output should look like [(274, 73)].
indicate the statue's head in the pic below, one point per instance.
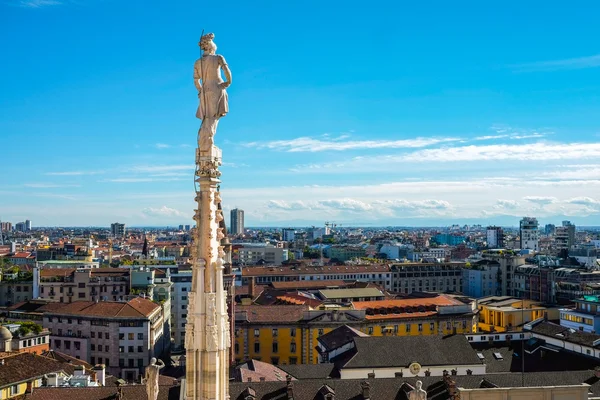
[(419, 385), (206, 43), (153, 361)]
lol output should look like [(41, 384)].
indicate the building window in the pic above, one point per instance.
[(67, 345), (320, 332), (93, 334), (130, 336), (275, 332), (130, 363), (14, 390), (431, 326), (99, 347), (237, 348), (293, 347), (140, 336), (275, 347), (106, 335), (420, 326), (121, 349), (130, 349), (57, 343), (81, 295), (92, 347), (121, 336), (256, 332), (121, 362), (93, 360), (448, 325), (370, 330), (407, 328), (140, 362), (140, 349), (395, 328), (106, 348), (257, 347), (293, 360), (293, 332), (77, 346), (99, 335)]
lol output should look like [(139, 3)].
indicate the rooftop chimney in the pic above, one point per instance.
[(262, 379), (366, 390), (100, 371), (371, 375), (252, 287)]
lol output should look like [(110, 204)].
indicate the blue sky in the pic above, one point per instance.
[(389, 113)]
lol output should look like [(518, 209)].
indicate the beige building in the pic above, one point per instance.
[(85, 284), (14, 291), (572, 392), (122, 336)]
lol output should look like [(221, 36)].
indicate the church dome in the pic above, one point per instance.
[(5, 333)]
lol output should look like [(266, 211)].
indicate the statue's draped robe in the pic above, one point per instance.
[(213, 98)]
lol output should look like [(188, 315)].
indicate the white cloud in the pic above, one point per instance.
[(74, 173), (541, 200), (139, 180), (47, 185), (508, 204), (586, 201), (162, 146), (38, 3), (554, 65), (532, 152), (308, 144), (163, 211), (161, 168)]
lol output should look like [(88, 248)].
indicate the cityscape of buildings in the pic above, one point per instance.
[(114, 298)]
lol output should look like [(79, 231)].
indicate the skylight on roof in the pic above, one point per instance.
[(498, 356), (481, 356)]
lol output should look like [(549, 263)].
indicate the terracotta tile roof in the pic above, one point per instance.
[(308, 284), (47, 272), (404, 308), (268, 314), (306, 270), (65, 358), (294, 298), (22, 255), (255, 370), (135, 308)]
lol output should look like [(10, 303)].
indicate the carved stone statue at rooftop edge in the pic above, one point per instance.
[(151, 378), (418, 393), (211, 92)]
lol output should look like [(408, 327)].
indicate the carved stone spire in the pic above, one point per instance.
[(207, 336)]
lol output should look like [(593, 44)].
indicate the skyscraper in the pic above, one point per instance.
[(27, 225), (529, 233), (237, 221), (495, 237), (117, 229)]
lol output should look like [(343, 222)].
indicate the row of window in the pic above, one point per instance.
[(274, 347), (130, 349), (61, 289), (33, 342)]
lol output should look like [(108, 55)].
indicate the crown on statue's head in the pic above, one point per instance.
[(206, 39)]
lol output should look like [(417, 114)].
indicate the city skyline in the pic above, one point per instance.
[(483, 116)]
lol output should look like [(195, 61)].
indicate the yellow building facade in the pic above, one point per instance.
[(509, 314), (287, 334)]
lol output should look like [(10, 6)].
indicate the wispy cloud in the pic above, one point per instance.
[(160, 168), (38, 3), (163, 211), (74, 173), (162, 146), (309, 144), (140, 180), (541, 200), (47, 185), (554, 65)]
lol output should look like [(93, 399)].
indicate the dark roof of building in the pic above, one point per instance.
[(537, 361), (22, 367), (339, 337), (137, 392), (398, 388), (389, 351), (311, 371), (65, 358), (550, 329)]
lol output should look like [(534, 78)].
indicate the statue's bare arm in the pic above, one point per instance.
[(226, 71), (197, 76), (160, 363)]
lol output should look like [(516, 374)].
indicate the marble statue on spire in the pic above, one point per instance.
[(151, 378), (212, 94)]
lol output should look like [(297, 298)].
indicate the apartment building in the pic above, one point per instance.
[(14, 291), (529, 234), (379, 274), (123, 336), (482, 279), (252, 255), (584, 317), (419, 277), (181, 286), (287, 334), (507, 313), (82, 284)]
